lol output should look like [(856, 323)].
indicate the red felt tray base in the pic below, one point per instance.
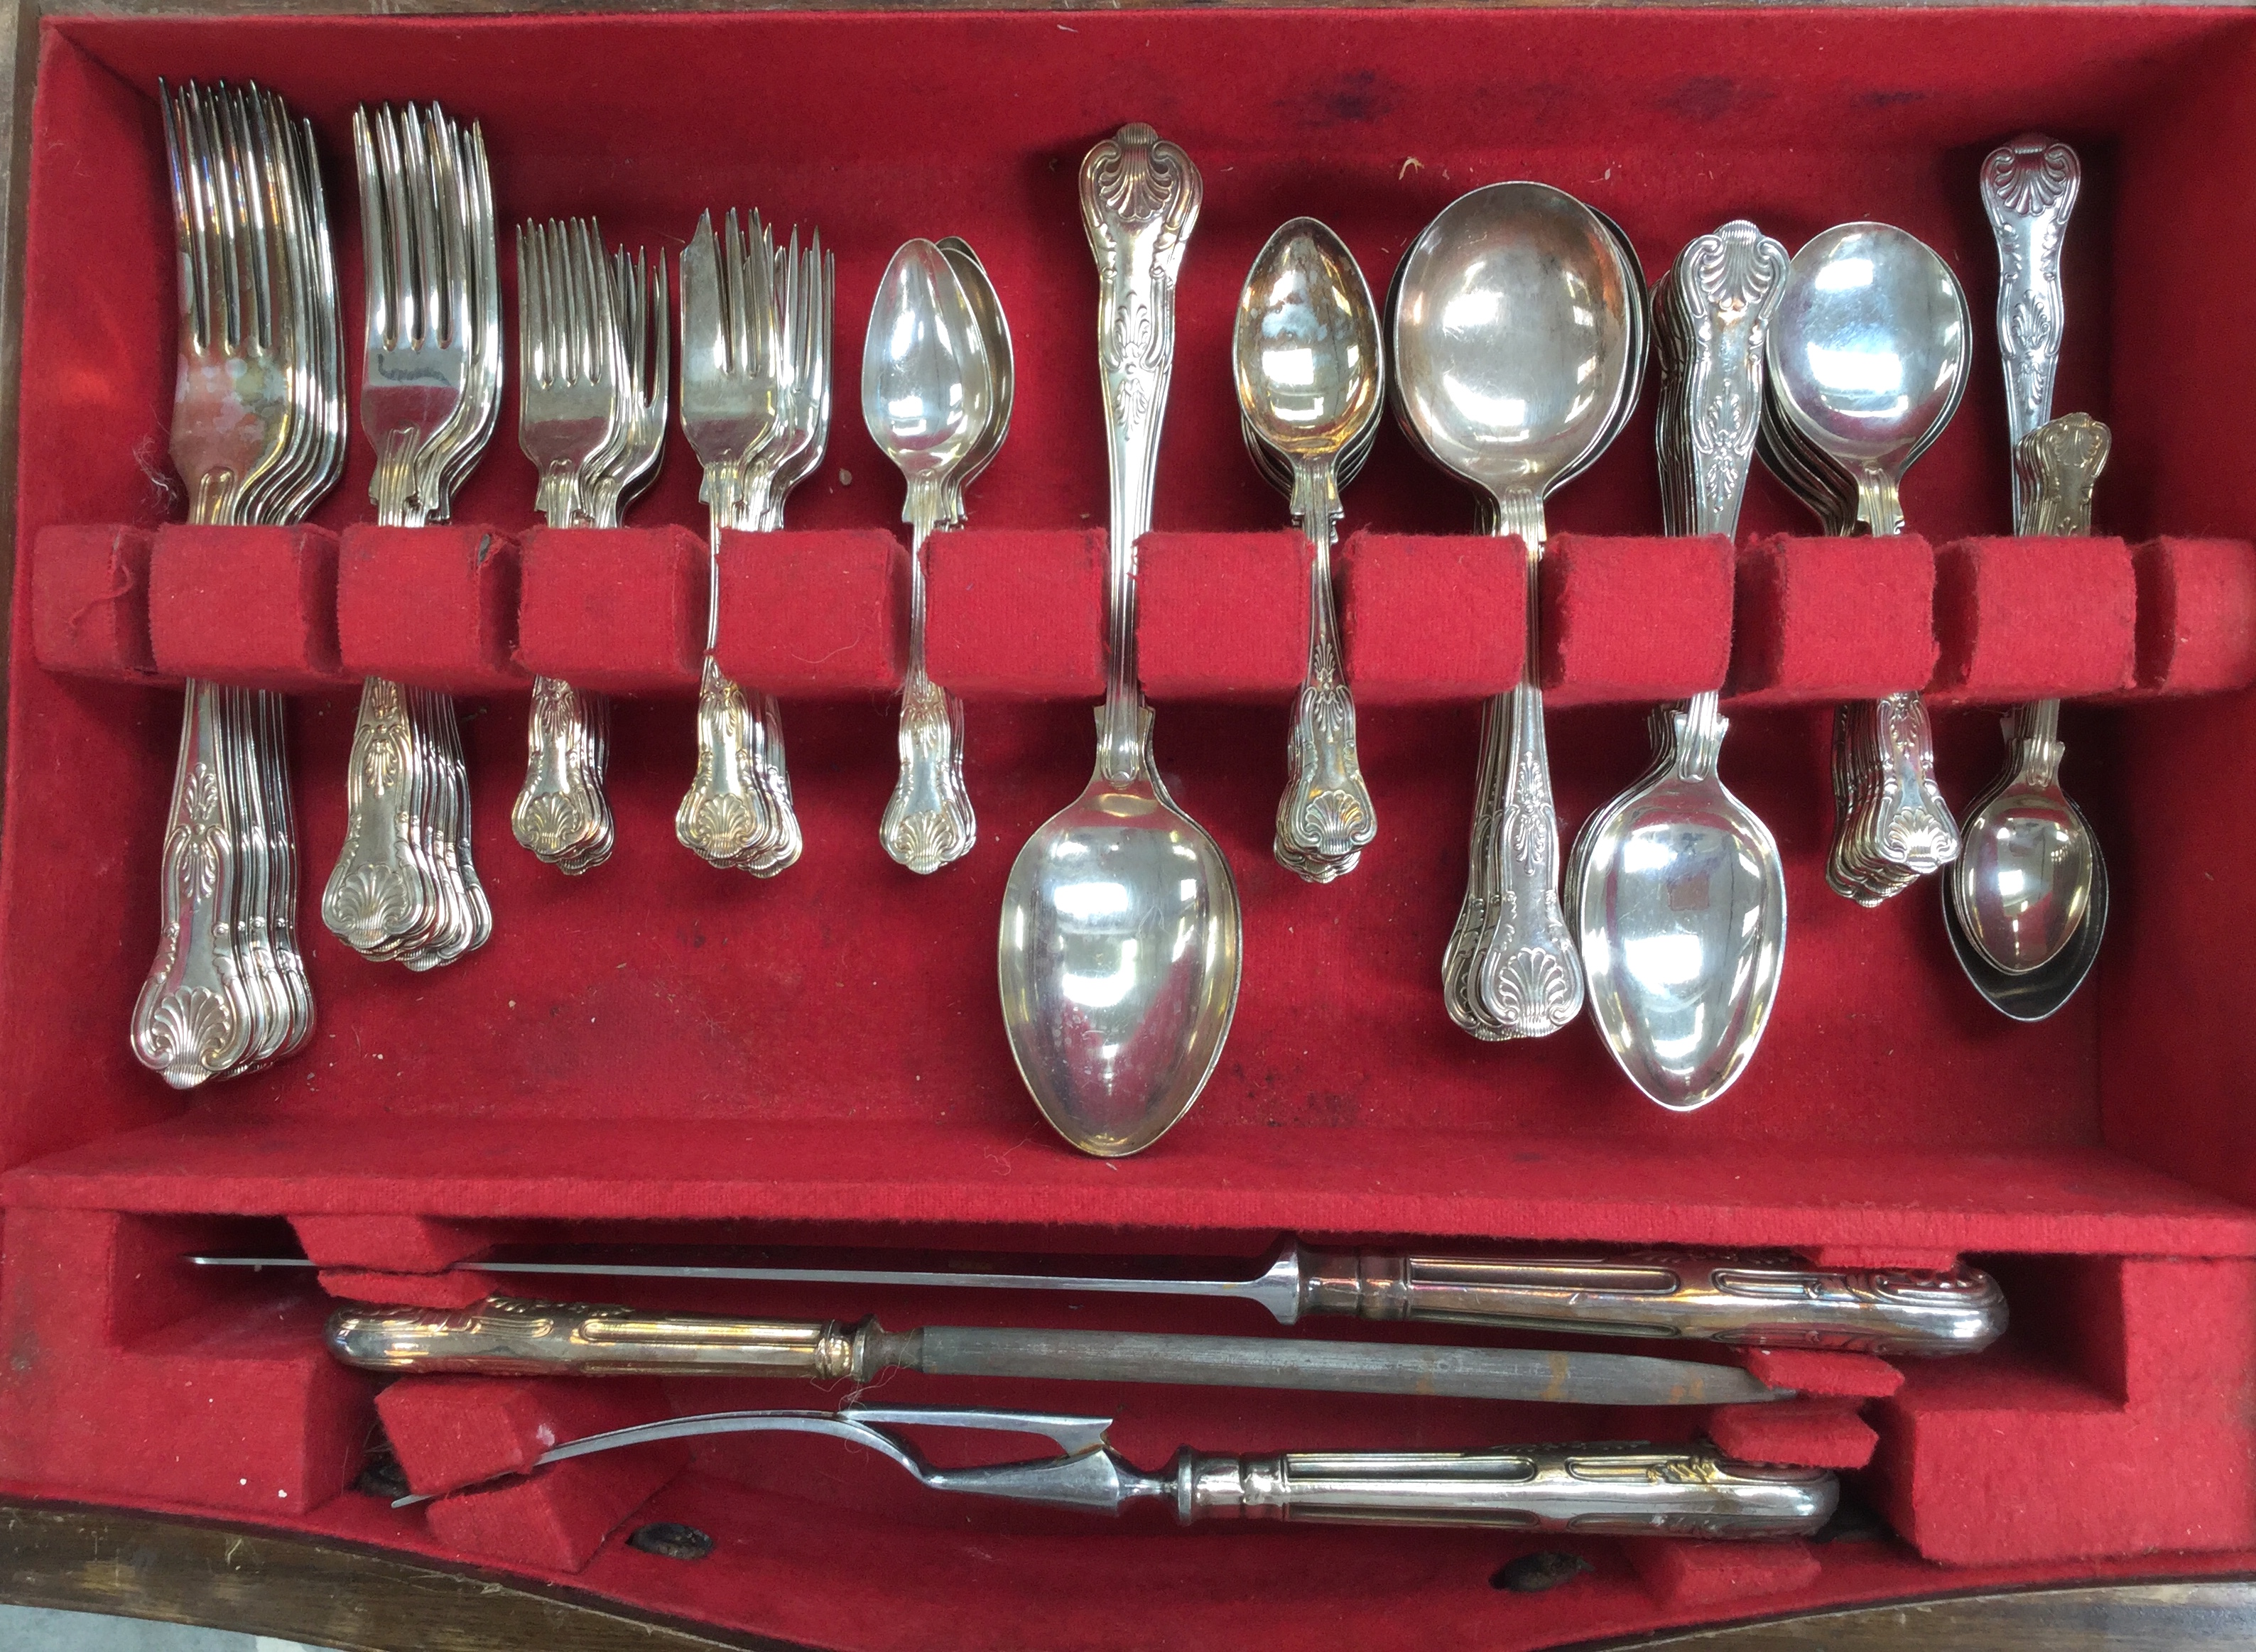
[(820, 1057)]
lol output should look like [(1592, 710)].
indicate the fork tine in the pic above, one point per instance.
[(190, 279), (761, 256), (583, 322), (702, 345), (257, 226), (407, 324), (329, 334), (219, 229), (485, 315), (732, 295), (417, 142), (375, 236), (530, 310), (660, 381)]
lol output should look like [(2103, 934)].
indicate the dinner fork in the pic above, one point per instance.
[(404, 887), (573, 420)]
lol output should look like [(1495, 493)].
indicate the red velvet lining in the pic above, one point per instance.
[(90, 602), (1634, 619), (256, 606), (1016, 615), (2197, 615), (816, 614), (434, 607), (1815, 1433), (2019, 619), (619, 610), (1832, 618), (453, 1432), (1685, 1575), (1222, 616), (556, 1520), (661, 1039), (1429, 619)]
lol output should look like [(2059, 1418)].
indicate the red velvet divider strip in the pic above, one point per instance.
[(459, 1289), (1428, 618), (2028, 619), (618, 610), (811, 615), (389, 1244), (1832, 618), (256, 606), (453, 1432), (1686, 1573), (1823, 1371), (1222, 615), (1632, 619), (433, 606), (1016, 615), (556, 1520), (1809, 1433), (91, 601), (2197, 615)]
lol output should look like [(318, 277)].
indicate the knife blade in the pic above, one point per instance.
[(506, 1336), (1751, 1300)]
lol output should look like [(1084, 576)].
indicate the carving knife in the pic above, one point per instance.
[(506, 1336), (1753, 1301)]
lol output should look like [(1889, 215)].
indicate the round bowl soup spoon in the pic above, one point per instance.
[(927, 395), (1515, 327)]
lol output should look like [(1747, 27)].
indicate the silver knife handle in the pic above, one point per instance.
[(506, 1336), (1701, 1298), (2029, 188), (1139, 201), (2055, 466), (1723, 287), (1686, 1491)]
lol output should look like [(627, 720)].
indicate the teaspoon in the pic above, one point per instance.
[(1514, 329), (1119, 947), (927, 396), (995, 331), (1310, 381)]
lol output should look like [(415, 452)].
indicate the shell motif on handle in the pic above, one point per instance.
[(2028, 189)]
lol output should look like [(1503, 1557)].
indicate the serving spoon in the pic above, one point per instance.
[(1119, 954), (1516, 324), (928, 396), (1306, 357), (1675, 890)]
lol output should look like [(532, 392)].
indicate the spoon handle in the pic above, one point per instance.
[(1324, 819), (2028, 189), (928, 822), (1139, 201)]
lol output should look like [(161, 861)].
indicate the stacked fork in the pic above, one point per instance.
[(403, 887), (591, 416), (258, 434), (755, 407)]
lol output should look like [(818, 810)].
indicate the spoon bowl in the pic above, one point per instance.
[(2034, 993), (995, 332)]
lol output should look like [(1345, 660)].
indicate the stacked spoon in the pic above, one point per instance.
[(1866, 364), (258, 435), (591, 416), (1311, 376), (403, 887)]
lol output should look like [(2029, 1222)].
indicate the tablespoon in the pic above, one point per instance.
[(1513, 331), (927, 395), (1675, 890), (1866, 359), (1118, 952), (1306, 357)]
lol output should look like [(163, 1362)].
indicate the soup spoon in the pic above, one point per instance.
[(927, 395), (1119, 947), (1866, 361), (1514, 326), (1675, 890), (1306, 357)]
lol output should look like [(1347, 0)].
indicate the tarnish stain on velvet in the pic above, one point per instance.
[(1702, 98), (24, 1349), (1353, 97)]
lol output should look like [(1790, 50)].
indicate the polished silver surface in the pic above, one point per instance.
[(2026, 903), (1311, 380), (511, 1336), (1676, 890), (1118, 956), (1518, 334), (1755, 1301), (1865, 363), (995, 331), (928, 398), (2031, 879), (1623, 1490), (258, 435), (405, 887)]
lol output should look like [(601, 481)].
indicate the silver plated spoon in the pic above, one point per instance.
[(927, 395), (995, 331), (1311, 380), (1118, 955), (1514, 329), (1675, 890)]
